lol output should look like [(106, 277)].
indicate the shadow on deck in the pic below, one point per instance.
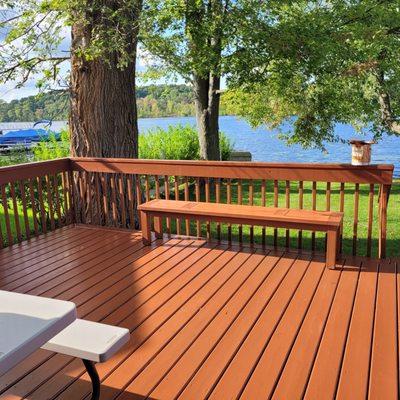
[(210, 320)]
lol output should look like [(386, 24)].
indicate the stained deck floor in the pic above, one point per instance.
[(210, 320)]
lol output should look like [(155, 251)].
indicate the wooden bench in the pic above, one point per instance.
[(92, 342), (330, 222)]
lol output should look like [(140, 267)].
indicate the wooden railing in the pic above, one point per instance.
[(118, 184), (106, 191), (35, 198)]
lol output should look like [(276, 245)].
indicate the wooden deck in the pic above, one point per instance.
[(210, 320)]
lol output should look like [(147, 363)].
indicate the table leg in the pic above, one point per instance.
[(94, 377)]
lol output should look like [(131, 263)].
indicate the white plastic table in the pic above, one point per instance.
[(27, 323)]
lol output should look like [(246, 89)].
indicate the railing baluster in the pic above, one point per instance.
[(328, 203), (276, 196), (197, 190), (240, 201), (113, 200), (251, 203), (263, 203), (166, 189), (208, 225), (355, 218), (41, 205), (287, 205), (130, 202), (82, 187), (370, 218), (57, 195), (15, 211), (187, 222), (24, 209), (383, 203), (98, 199), (176, 190), (218, 200), (157, 181), (6, 215), (73, 210), (138, 190), (65, 203), (33, 204), (89, 195), (341, 209), (314, 207), (147, 188), (301, 197), (103, 180), (229, 201), (50, 203), (122, 201)]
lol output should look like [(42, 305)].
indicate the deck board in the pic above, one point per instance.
[(210, 320)]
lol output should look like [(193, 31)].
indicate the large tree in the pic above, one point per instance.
[(101, 73), (197, 40), (319, 64)]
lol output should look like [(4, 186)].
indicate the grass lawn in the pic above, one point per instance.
[(393, 234), (13, 222)]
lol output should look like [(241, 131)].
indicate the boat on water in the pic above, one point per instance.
[(25, 138)]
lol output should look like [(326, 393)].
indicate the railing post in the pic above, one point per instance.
[(383, 202)]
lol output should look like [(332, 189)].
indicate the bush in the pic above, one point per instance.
[(53, 147), (177, 143)]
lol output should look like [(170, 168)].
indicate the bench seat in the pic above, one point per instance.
[(88, 340), (325, 221), (92, 342)]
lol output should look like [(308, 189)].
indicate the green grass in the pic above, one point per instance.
[(13, 222), (393, 232)]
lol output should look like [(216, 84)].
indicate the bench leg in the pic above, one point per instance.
[(158, 227), (145, 221), (94, 377), (331, 249)]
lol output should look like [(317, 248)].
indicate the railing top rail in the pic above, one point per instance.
[(379, 173), (30, 170)]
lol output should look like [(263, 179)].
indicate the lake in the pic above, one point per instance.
[(265, 145)]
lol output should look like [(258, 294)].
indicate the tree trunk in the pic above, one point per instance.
[(207, 101), (387, 117), (103, 116)]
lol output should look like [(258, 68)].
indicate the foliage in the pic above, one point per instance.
[(314, 64), (152, 101), (52, 147), (196, 36), (197, 39), (164, 101), (176, 143), (45, 106), (34, 31), (17, 155)]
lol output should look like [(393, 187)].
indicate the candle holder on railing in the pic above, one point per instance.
[(361, 151)]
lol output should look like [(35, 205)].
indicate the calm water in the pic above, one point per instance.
[(265, 145)]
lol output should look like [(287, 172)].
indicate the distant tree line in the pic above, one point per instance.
[(152, 101)]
